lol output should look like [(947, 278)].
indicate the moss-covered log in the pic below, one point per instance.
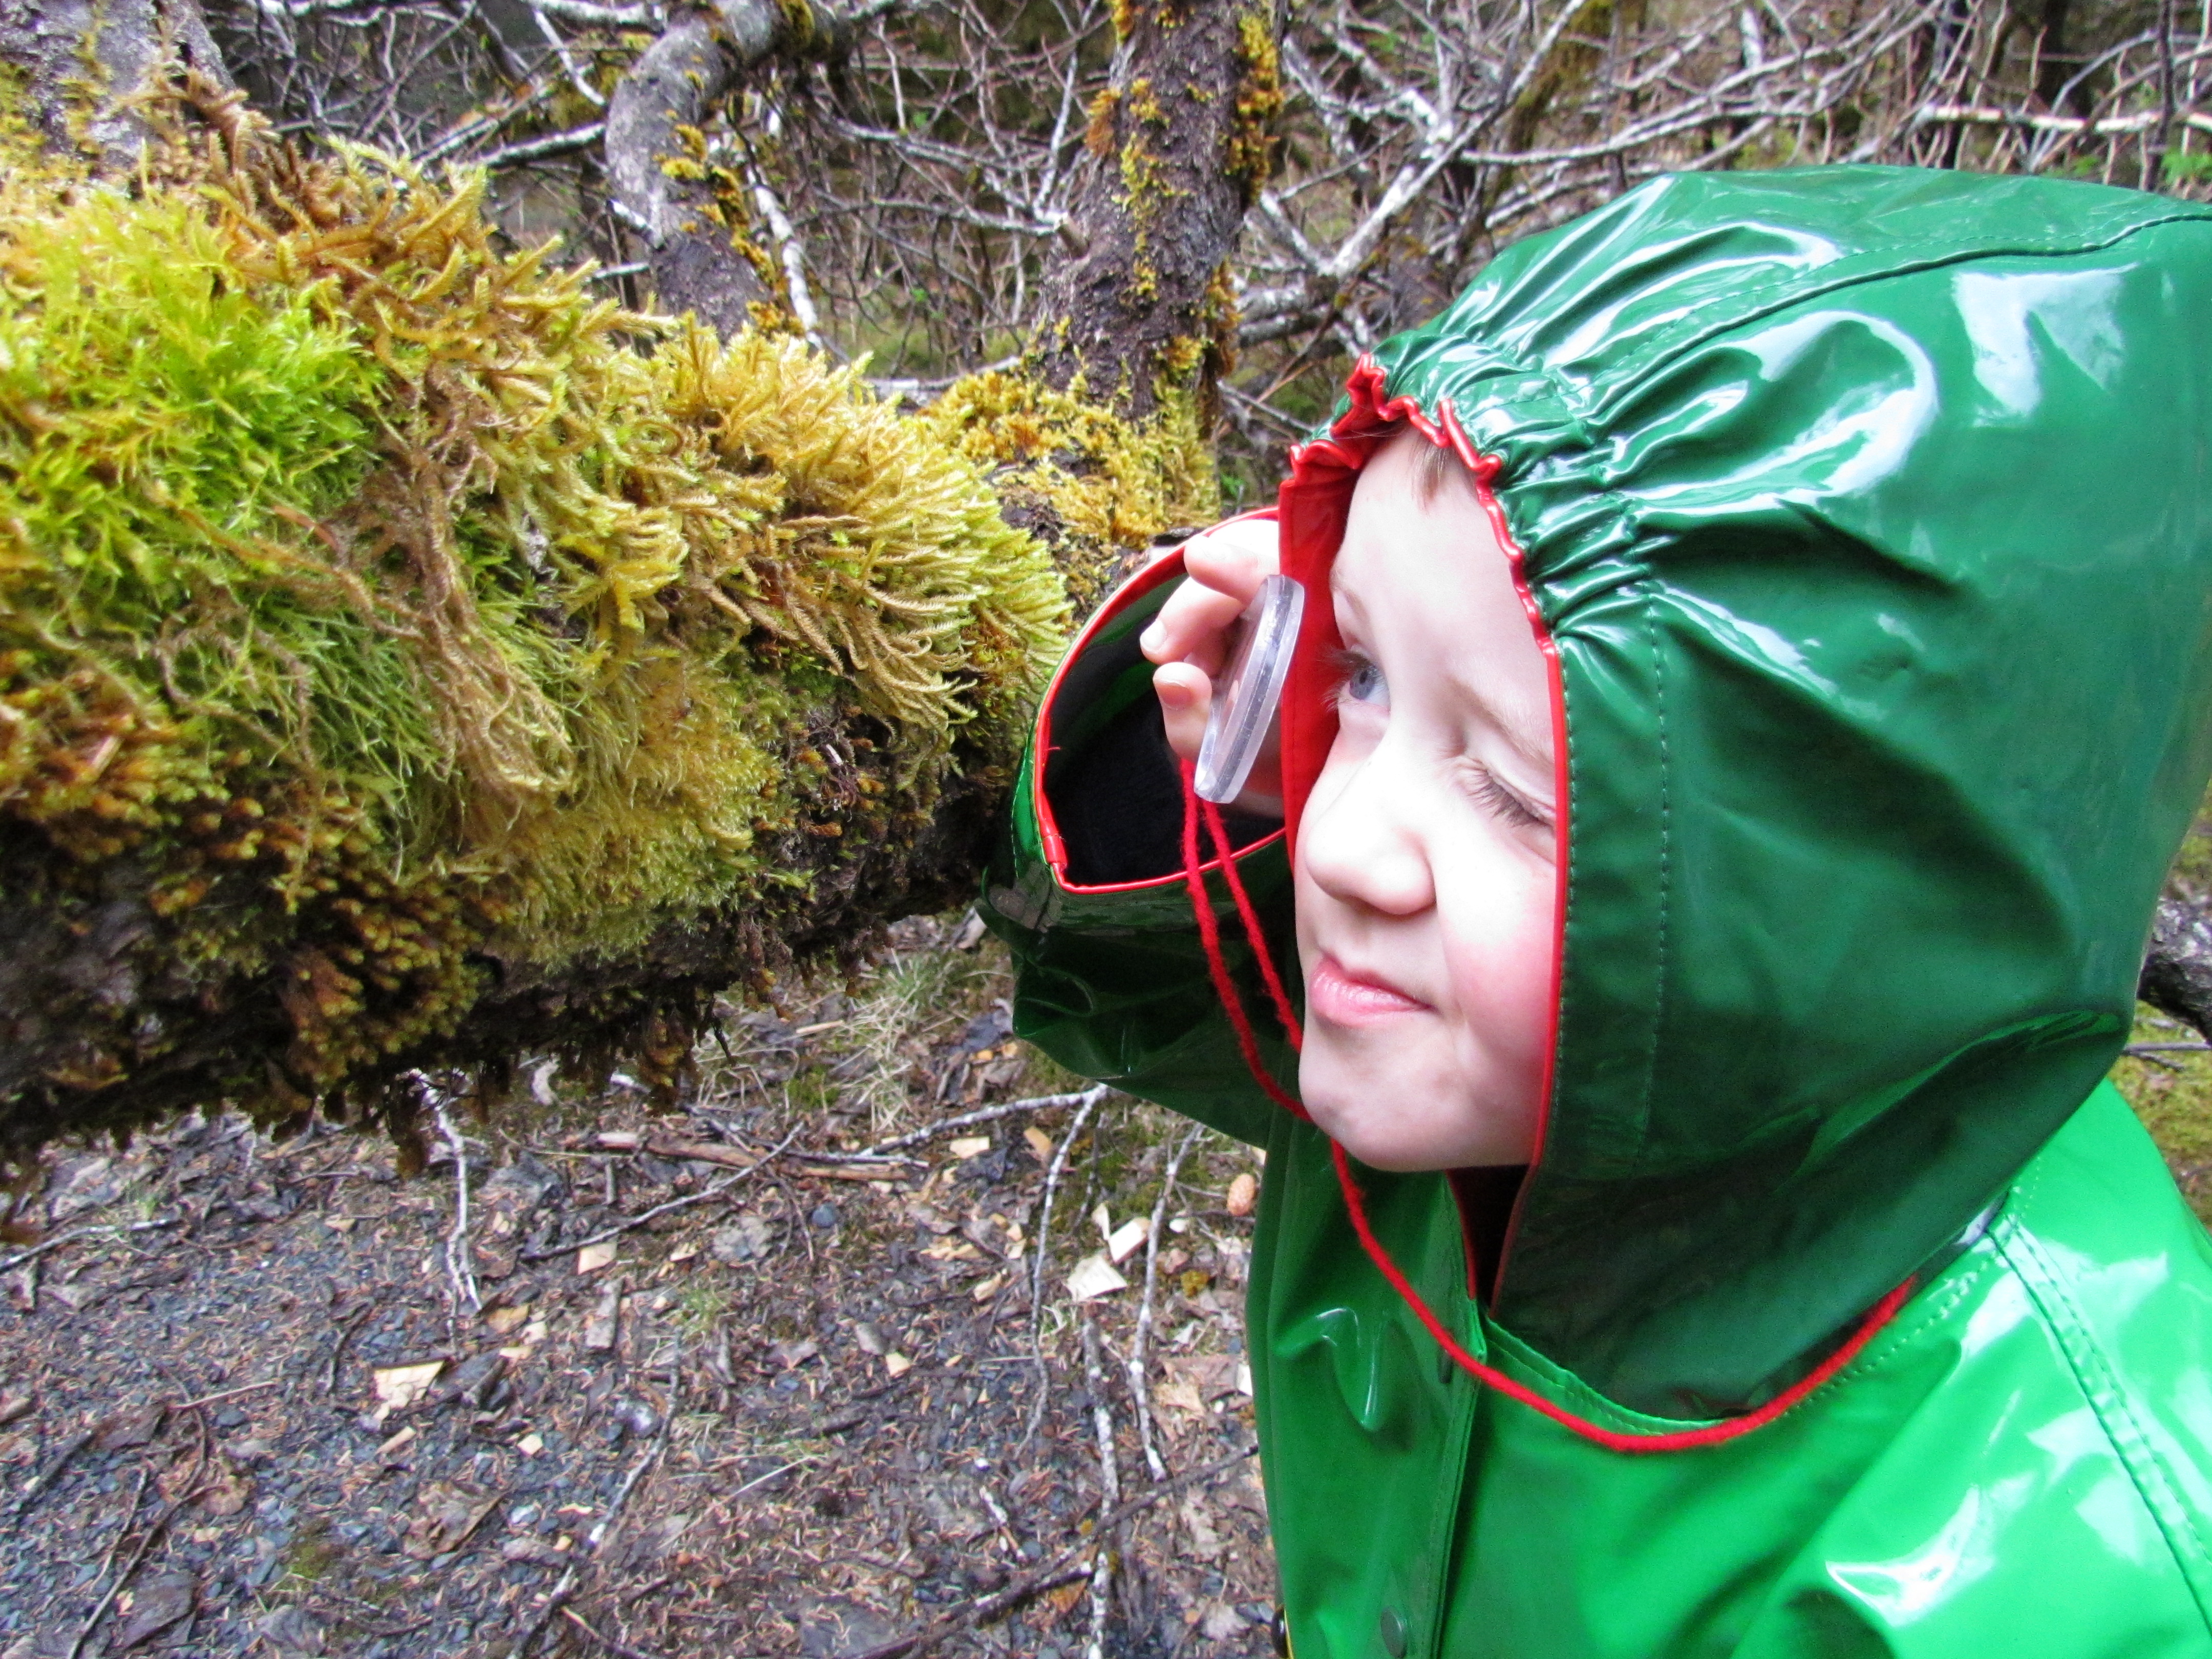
[(405, 657)]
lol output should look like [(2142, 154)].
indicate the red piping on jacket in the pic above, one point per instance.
[(1365, 385)]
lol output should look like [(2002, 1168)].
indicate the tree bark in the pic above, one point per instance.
[(1180, 141), (2177, 975), (83, 60), (660, 188)]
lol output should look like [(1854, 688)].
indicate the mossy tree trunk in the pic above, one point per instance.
[(664, 188), (1181, 140), (63, 47)]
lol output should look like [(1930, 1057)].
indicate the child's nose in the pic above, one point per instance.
[(1358, 845)]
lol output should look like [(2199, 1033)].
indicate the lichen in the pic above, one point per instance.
[(384, 616)]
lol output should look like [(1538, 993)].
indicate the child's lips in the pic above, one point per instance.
[(1342, 997)]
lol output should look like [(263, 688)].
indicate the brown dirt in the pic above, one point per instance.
[(794, 1414)]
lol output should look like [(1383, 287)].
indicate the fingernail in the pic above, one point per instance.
[(1150, 640)]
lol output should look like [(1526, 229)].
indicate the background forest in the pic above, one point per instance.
[(528, 530)]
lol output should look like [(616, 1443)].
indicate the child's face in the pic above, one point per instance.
[(1425, 878)]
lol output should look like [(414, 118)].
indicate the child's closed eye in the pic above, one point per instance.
[(1502, 798), (1359, 679)]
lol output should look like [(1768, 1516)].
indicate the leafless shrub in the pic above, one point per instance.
[(901, 185)]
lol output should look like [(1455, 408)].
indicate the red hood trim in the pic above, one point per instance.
[(1313, 503), (1164, 569)]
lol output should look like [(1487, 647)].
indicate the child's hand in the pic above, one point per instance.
[(1195, 633)]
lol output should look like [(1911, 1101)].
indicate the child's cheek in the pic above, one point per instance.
[(1498, 945)]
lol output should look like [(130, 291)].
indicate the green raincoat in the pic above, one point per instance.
[(1869, 516)]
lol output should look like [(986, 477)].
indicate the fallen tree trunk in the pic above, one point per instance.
[(406, 660)]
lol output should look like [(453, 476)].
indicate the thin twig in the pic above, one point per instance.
[(1089, 1099), (538, 149), (1051, 1573), (229, 1394), (594, 1540), (1109, 1486), (352, 1323), (1083, 1098), (129, 1569), (76, 1233), (46, 1477), (460, 1271), (636, 1221), (621, 1649), (1140, 1387)]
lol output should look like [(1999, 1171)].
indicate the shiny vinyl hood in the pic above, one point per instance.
[(1869, 512)]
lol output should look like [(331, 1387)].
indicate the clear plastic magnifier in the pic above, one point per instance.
[(1245, 696)]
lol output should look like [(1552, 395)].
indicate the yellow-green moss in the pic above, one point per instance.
[(387, 606), (1250, 153), (1103, 486), (2171, 1093)]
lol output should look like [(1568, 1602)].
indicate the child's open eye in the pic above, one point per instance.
[(1358, 680)]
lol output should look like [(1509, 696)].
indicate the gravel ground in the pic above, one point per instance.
[(693, 1377)]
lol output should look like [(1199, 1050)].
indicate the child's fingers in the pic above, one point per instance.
[(1193, 627), (1232, 557), (1225, 566), (1186, 695)]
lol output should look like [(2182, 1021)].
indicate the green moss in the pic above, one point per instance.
[(2171, 1093), (386, 607)]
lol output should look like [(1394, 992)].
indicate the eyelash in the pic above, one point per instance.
[(1481, 783)]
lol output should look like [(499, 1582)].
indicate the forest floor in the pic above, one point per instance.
[(686, 1381), (704, 1379)]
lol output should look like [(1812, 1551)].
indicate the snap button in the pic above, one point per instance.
[(1393, 1633), (1281, 1632)]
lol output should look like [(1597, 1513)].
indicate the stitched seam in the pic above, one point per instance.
[(1666, 873), (2086, 1359)]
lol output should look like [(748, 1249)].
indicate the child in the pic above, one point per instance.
[(1754, 676)]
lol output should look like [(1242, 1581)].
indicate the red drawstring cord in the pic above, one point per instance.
[(1209, 934), (1224, 988)]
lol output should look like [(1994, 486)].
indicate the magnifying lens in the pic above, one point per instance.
[(1245, 696)]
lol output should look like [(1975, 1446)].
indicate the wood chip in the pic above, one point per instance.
[(398, 1386), (604, 1323), (897, 1363), (1127, 1237), (1040, 1143), (967, 1146), (592, 1257), (1094, 1277), (502, 1321)]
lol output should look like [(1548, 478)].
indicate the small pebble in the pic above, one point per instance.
[(824, 1217)]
